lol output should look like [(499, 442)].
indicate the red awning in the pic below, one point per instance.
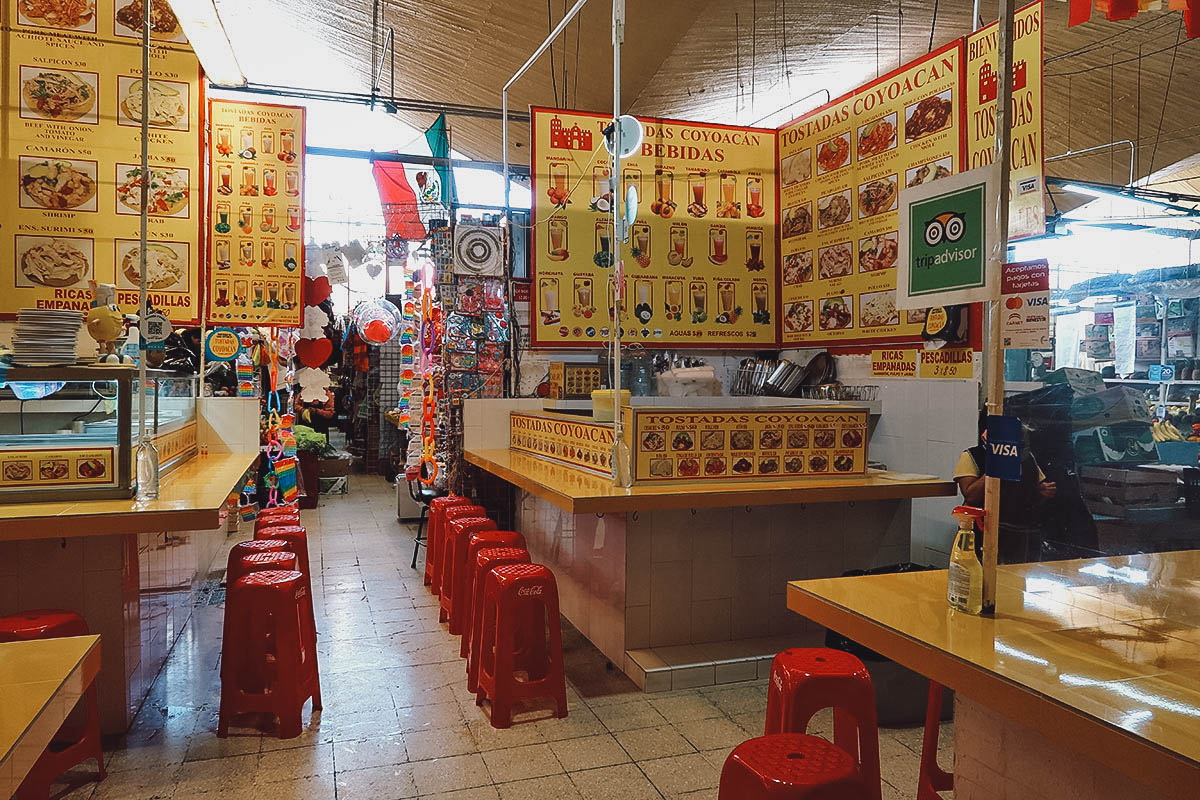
[(398, 200)]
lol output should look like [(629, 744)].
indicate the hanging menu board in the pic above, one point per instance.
[(1027, 210), (701, 268), (842, 168), (256, 214), (70, 166)]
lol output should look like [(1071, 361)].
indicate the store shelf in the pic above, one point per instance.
[(874, 407), (1151, 383)]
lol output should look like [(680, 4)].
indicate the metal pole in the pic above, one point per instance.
[(621, 474), (144, 221), (993, 346), (975, 16)]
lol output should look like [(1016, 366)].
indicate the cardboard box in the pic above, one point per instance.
[(1123, 443), (1082, 381), (1119, 404), (334, 467)]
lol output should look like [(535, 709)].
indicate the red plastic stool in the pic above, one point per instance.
[(296, 538), (276, 511), (457, 536), (480, 540), (268, 633), (505, 590), (485, 561), (70, 745), (233, 567), (460, 511), (933, 778), (289, 518), (790, 766), (806, 680), (257, 562), (437, 515)]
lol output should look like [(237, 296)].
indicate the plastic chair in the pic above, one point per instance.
[(790, 766)]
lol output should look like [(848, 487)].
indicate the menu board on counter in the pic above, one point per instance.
[(578, 442), (57, 467), (692, 445), (1027, 209), (256, 214), (71, 174), (841, 169), (701, 268)]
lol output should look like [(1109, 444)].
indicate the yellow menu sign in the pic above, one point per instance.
[(1027, 210), (894, 363), (949, 362), (701, 268), (772, 443), (256, 214), (582, 444), (70, 171), (841, 170), (67, 466)]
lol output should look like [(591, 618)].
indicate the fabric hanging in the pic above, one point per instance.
[(398, 201)]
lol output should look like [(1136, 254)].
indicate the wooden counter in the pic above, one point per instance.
[(190, 498), (578, 492), (1100, 655), (39, 682)]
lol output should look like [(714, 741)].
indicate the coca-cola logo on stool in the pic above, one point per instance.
[(530, 591)]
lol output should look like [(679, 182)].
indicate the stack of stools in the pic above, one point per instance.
[(503, 616), (803, 682), (269, 651), (70, 746)]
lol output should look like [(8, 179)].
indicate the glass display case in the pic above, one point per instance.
[(68, 433)]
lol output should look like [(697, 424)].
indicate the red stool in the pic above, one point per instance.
[(71, 745), (933, 778), (485, 560), (268, 635), (296, 538), (289, 518), (457, 536), (276, 511), (440, 578), (505, 590), (437, 514), (234, 568), (806, 680), (790, 766), (279, 560), (480, 540)]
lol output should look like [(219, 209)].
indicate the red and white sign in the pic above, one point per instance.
[(1025, 305)]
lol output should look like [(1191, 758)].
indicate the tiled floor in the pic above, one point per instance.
[(398, 721)]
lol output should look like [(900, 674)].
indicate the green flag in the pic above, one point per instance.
[(439, 147)]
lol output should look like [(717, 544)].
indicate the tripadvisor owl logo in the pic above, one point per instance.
[(946, 241), (947, 226)]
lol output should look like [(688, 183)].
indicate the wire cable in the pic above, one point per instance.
[(1166, 96), (1118, 63)]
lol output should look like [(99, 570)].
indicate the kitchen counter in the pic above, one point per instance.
[(1098, 657), (189, 498), (579, 492), (40, 682)]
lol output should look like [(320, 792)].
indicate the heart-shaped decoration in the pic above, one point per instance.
[(314, 352), (316, 291)]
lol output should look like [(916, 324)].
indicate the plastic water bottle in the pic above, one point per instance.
[(147, 470)]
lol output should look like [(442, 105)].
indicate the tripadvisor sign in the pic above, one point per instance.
[(946, 230)]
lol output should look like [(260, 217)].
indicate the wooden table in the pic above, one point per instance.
[(189, 498), (579, 492), (1099, 655), (40, 683)]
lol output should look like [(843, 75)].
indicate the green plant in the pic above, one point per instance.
[(310, 441)]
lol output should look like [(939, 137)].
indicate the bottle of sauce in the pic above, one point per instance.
[(964, 588)]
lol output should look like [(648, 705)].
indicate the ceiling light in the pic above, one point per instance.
[(205, 32), (1090, 191)]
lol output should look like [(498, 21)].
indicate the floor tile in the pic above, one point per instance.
[(706, 734), (622, 782), (450, 774), (644, 744), (553, 787), (628, 716), (424, 745), (589, 752), (520, 763), (679, 774), (378, 783)]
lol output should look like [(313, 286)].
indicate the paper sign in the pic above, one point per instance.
[(222, 344), (1025, 304), (1161, 372), (894, 363), (949, 362), (1003, 459)]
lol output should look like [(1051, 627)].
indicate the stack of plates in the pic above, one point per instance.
[(46, 336)]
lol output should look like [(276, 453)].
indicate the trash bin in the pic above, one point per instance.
[(901, 695)]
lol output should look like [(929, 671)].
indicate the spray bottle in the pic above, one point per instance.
[(964, 588)]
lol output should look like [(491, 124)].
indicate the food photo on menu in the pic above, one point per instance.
[(835, 261), (166, 265), (878, 309), (55, 262), (796, 168), (878, 197), (877, 253), (877, 136), (929, 116), (59, 95), (837, 313), (797, 220), (168, 196), (58, 184), (833, 153), (927, 173), (798, 268), (164, 25), (798, 316), (833, 210), (78, 16), (168, 103)]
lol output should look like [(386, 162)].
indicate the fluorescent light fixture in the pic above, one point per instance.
[(202, 25), (1090, 191)]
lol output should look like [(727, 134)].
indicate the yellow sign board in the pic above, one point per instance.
[(71, 118), (700, 267), (949, 362), (1027, 210), (67, 466), (256, 214), (894, 363), (842, 168), (671, 445), (579, 443)]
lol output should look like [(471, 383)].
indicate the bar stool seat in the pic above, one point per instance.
[(437, 514), (234, 568), (790, 766), (485, 561), (438, 551), (454, 567), (480, 540)]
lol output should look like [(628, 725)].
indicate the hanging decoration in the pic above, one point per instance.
[(317, 290), (377, 321), (399, 202), (1116, 10), (478, 251), (314, 353)]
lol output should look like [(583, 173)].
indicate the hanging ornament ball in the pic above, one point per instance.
[(378, 321)]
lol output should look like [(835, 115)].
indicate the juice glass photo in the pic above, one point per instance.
[(289, 255), (643, 297), (287, 143), (273, 293), (548, 294), (728, 187), (224, 140), (245, 218), (268, 253), (268, 142), (224, 179), (674, 298), (291, 182), (222, 288), (600, 176), (632, 176), (239, 292), (246, 253), (696, 182), (716, 244), (664, 185), (289, 294), (249, 181), (583, 295), (758, 293), (223, 210), (603, 238), (269, 181), (557, 239), (247, 143), (641, 240), (725, 296), (222, 254), (259, 292), (679, 243), (624, 297), (698, 292), (754, 187), (268, 219), (754, 242), (558, 178), (293, 218)]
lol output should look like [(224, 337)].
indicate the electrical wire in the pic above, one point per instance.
[(932, 25), (1084, 49), (1166, 96), (582, 176), (549, 30), (1119, 63)]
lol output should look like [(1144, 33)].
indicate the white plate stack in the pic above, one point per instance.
[(46, 336)]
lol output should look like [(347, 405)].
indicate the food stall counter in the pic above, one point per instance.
[(1092, 663), (40, 682), (579, 492)]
